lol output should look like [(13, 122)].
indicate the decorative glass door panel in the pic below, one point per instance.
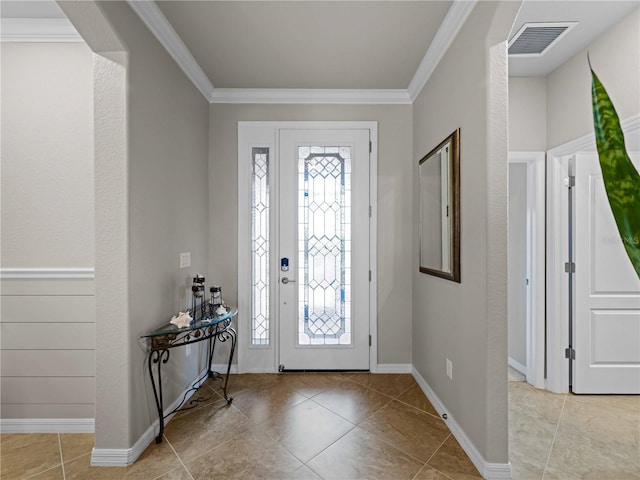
[(324, 244), (323, 211)]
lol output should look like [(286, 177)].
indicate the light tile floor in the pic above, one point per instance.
[(569, 437), (284, 427), (331, 426)]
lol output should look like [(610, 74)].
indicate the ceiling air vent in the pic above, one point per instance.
[(535, 39)]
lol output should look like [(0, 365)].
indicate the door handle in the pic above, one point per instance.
[(286, 280)]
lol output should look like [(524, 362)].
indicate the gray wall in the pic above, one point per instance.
[(47, 325), (517, 303), (467, 322), (163, 210), (394, 206), (545, 112), (527, 114), (615, 58), (168, 201)]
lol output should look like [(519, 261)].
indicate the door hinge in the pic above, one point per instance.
[(569, 181), (569, 267), (570, 353), (370, 146), (369, 275), (370, 211), (369, 340)]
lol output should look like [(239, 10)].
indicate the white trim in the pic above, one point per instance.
[(373, 247), (310, 96), (557, 251), (47, 425), (46, 273), (487, 470), (392, 368), (517, 366), (248, 137), (557, 239), (451, 25), (158, 24), (123, 457), (43, 30)]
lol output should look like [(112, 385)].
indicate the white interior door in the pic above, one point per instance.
[(607, 292), (324, 249)]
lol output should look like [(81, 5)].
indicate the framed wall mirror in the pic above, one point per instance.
[(439, 192)]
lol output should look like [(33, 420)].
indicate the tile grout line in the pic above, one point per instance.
[(307, 466), (434, 454), (178, 457), (555, 433), (64, 475), (320, 452), (439, 447), (403, 391), (420, 410)]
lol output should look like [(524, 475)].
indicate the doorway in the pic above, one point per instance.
[(614, 357), (526, 309), (306, 229)]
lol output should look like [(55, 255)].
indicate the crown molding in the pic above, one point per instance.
[(31, 30), (158, 24), (451, 25), (310, 96)]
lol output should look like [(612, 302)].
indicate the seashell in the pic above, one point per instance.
[(183, 319)]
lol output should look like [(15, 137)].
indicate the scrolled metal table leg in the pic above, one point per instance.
[(232, 334), (158, 357)]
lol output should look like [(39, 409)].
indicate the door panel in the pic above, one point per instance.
[(607, 292), (324, 237)]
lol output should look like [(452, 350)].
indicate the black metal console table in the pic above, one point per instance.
[(211, 327)]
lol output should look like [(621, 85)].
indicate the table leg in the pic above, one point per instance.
[(158, 357), (233, 336)]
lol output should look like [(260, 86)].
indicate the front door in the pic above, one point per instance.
[(323, 275), (607, 292)]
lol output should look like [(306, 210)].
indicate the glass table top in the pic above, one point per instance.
[(209, 320)]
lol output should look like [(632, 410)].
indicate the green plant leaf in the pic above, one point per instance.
[(621, 179)]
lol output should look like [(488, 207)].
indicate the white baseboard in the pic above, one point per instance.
[(47, 425), (490, 471), (392, 368), (123, 457), (517, 366)]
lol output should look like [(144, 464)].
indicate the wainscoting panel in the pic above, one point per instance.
[(48, 308), (47, 349), (38, 390), (48, 411), (48, 336), (47, 363)]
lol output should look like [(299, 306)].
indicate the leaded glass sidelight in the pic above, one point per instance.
[(260, 246), (324, 245)]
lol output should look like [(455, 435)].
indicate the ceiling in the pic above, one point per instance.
[(307, 44), (339, 44), (593, 17)]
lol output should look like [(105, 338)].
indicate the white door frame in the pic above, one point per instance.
[(535, 326), (264, 359), (557, 254)]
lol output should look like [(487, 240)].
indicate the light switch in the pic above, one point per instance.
[(185, 260)]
